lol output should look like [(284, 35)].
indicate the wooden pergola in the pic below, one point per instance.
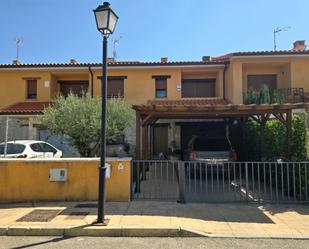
[(148, 114)]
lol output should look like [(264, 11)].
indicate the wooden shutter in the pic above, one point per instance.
[(198, 88), (31, 89), (161, 84), (76, 87), (115, 88)]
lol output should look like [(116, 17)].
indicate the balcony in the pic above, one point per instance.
[(277, 96)]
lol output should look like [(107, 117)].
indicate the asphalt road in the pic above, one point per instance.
[(135, 243)]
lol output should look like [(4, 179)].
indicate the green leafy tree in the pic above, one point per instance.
[(79, 119)]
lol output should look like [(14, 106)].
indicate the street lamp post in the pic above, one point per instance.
[(106, 20)]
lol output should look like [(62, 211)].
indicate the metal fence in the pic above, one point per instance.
[(291, 95), (192, 181)]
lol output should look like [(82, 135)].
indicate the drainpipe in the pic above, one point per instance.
[(91, 80), (224, 71)]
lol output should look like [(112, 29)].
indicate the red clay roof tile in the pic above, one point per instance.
[(25, 108), (188, 102)]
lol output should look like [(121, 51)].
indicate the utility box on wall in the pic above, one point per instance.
[(108, 170), (58, 175)]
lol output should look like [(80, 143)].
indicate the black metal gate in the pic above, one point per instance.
[(194, 181)]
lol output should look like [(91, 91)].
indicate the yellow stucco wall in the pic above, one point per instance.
[(300, 74), (139, 86), (28, 180), (13, 86), (235, 83)]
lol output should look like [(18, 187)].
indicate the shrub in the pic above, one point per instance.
[(247, 140)]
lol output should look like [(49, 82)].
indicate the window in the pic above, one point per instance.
[(115, 87), (257, 81), (31, 89), (42, 147), (76, 87), (48, 148), (194, 88), (161, 86), (12, 148), (36, 147)]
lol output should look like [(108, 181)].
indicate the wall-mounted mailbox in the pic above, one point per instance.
[(58, 175)]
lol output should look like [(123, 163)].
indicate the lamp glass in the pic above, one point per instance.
[(112, 22), (102, 19)]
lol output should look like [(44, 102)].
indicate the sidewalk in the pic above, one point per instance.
[(148, 219)]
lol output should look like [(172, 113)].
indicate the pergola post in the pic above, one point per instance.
[(138, 136), (144, 142), (289, 135)]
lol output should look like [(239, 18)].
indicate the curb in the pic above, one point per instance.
[(95, 231), (99, 231)]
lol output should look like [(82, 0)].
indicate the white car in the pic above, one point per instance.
[(29, 149)]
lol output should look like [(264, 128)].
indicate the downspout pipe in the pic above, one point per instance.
[(224, 84), (91, 79)]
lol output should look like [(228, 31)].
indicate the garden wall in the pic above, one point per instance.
[(36, 180)]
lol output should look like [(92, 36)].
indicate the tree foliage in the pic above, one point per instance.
[(79, 119)]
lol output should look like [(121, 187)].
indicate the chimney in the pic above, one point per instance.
[(206, 58), (73, 61), (16, 62), (299, 45), (164, 59)]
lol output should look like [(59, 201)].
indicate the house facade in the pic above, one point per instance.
[(26, 89)]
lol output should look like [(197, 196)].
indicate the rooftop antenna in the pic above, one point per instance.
[(19, 42), (276, 32), (115, 43)]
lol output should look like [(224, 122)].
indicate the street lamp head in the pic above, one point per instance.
[(106, 19)]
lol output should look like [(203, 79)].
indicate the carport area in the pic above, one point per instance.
[(201, 114), (184, 179)]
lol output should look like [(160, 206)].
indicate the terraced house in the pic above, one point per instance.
[(175, 102)]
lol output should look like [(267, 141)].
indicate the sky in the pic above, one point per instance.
[(55, 31)]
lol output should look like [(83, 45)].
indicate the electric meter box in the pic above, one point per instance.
[(58, 175)]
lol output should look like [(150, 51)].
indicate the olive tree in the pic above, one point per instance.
[(79, 119)]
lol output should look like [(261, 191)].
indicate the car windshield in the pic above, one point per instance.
[(211, 144), (12, 148)]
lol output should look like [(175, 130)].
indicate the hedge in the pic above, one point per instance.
[(247, 140)]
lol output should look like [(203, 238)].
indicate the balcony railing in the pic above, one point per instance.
[(291, 95), (277, 96)]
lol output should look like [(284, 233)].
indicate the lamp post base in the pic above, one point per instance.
[(104, 223)]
